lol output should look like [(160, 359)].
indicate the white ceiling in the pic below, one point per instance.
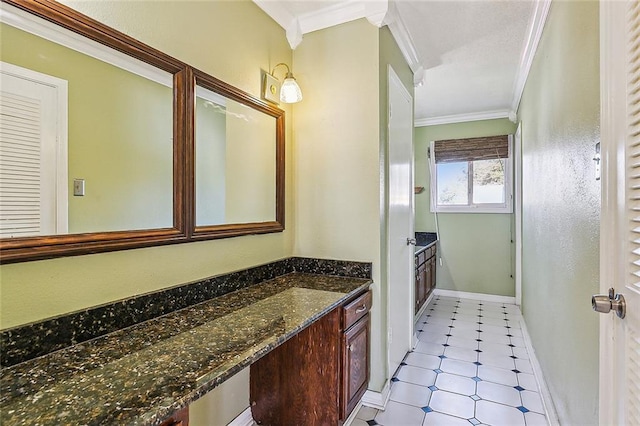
[(471, 56)]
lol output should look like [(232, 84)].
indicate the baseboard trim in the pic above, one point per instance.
[(353, 414), (422, 310), (377, 400), (479, 296), (244, 419), (547, 401)]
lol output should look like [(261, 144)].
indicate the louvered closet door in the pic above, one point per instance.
[(630, 326), (620, 254), (28, 178)]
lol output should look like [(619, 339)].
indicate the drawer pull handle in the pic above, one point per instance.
[(362, 309), (351, 347)]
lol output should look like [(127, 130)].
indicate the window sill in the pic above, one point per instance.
[(465, 209)]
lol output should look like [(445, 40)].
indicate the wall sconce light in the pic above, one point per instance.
[(289, 92)]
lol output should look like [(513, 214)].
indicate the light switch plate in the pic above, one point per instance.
[(78, 187)]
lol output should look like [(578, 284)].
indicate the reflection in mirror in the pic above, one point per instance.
[(235, 162), (119, 140)]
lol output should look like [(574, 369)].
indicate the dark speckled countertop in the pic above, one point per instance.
[(141, 374), (425, 240)]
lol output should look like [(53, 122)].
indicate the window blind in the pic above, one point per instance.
[(471, 149)]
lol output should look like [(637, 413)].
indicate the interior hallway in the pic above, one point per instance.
[(470, 366)]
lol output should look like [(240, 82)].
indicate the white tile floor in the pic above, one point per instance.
[(470, 366)]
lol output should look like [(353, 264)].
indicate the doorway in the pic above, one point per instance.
[(400, 221)]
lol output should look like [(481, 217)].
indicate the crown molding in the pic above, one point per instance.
[(461, 118), (332, 15), (534, 34), (378, 13), (402, 37), (284, 18)]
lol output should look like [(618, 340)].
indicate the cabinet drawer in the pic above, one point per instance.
[(356, 309)]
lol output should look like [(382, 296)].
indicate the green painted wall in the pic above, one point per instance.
[(337, 158), (115, 119), (561, 208), (475, 248)]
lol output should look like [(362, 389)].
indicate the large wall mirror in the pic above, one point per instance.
[(108, 144), (239, 161)]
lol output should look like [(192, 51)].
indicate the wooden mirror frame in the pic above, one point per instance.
[(226, 230), (184, 80)]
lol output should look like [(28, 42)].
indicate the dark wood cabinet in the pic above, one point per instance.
[(319, 375), (425, 276), (355, 352), (179, 418)]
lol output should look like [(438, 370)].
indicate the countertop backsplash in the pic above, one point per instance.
[(22, 343), (425, 238)]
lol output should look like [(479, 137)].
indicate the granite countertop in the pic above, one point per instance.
[(424, 247), (142, 374), (419, 249), (424, 240)]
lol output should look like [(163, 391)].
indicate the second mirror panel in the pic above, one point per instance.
[(235, 162)]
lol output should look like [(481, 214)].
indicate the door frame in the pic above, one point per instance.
[(60, 163), (517, 209), (612, 110), (393, 78)]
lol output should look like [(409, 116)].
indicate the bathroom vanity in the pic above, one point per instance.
[(302, 323), (425, 263)]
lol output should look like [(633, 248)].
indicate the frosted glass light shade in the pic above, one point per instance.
[(290, 92)]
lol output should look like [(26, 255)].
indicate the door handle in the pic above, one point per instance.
[(605, 303), (411, 241)]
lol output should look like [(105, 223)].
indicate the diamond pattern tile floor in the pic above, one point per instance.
[(470, 366)]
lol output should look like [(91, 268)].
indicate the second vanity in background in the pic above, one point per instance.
[(425, 259)]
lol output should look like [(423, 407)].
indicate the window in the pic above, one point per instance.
[(471, 175)]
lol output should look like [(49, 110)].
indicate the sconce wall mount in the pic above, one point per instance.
[(288, 92)]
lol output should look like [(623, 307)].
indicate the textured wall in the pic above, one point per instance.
[(561, 207), (475, 248), (337, 174)]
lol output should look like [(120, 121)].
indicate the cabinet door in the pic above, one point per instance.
[(418, 297), (179, 418), (355, 364), (424, 280), (432, 277)]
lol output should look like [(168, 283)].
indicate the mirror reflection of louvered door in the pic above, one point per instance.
[(620, 229), (33, 158)]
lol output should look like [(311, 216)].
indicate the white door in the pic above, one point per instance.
[(33, 153), (400, 221), (620, 221)]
